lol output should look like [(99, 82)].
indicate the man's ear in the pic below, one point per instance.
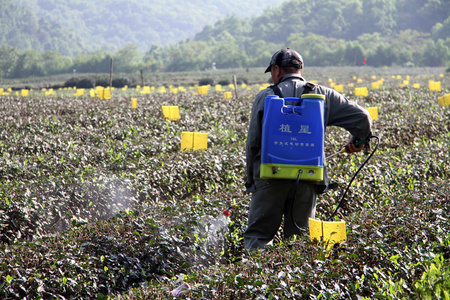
[(277, 70)]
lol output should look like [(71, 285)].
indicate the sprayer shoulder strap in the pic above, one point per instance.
[(308, 88)]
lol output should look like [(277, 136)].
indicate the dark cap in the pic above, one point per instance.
[(286, 58)]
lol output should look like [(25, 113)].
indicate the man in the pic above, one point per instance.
[(272, 198)]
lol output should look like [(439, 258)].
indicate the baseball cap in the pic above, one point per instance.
[(286, 58)]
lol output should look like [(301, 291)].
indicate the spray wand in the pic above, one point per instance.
[(356, 173), (357, 143), (227, 212)]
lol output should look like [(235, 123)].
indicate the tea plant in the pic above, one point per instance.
[(98, 201)]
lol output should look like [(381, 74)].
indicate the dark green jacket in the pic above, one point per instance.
[(338, 112)]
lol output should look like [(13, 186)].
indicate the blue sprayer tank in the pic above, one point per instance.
[(293, 138)]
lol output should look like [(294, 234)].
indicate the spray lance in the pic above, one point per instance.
[(227, 212), (356, 143)]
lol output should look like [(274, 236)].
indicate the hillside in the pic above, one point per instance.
[(160, 37), (77, 26), (341, 19)]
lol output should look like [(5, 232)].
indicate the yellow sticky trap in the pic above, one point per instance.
[(193, 140), (25, 92), (187, 140), (416, 85), (362, 91), (227, 95), (49, 92), (80, 92), (434, 85), (145, 90), (373, 111), (100, 92), (133, 103), (106, 94), (444, 100), (200, 141), (327, 233), (339, 88), (202, 90), (447, 99), (171, 113)]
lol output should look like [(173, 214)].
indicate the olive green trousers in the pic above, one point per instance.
[(271, 200)]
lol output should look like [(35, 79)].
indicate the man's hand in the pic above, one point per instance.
[(351, 148), (355, 145)]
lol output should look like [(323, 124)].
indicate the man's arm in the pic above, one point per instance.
[(254, 135), (349, 115)]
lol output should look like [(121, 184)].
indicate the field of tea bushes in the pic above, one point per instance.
[(98, 202)]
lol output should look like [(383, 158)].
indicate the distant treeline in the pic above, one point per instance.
[(326, 32), (192, 55)]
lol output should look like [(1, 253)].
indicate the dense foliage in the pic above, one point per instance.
[(79, 26), (97, 199), (325, 32)]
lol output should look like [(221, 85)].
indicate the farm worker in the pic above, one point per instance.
[(272, 198)]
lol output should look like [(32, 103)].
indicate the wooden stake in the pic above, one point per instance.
[(235, 86), (110, 75), (142, 79)]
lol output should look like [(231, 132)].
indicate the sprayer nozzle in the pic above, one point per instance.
[(226, 213)]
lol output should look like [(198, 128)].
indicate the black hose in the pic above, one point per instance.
[(346, 190), (293, 199), (354, 176)]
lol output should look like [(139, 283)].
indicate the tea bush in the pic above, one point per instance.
[(98, 201)]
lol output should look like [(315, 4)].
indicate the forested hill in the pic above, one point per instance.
[(326, 32), (342, 32), (342, 19), (75, 26)]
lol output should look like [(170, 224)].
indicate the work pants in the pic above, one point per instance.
[(270, 201)]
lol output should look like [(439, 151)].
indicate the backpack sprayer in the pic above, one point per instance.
[(293, 148)]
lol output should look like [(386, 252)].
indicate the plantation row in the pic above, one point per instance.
[(98, 198)]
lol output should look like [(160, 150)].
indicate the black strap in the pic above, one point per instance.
[(307, 88)]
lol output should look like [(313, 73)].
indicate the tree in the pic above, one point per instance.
[(435, 54), (379, 16), (55, 63), (384, 56), (153, 59), (29, 63), (128, 59), (441, 30), (354, 54), (95, 62), (8, 59), (226, 52)]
